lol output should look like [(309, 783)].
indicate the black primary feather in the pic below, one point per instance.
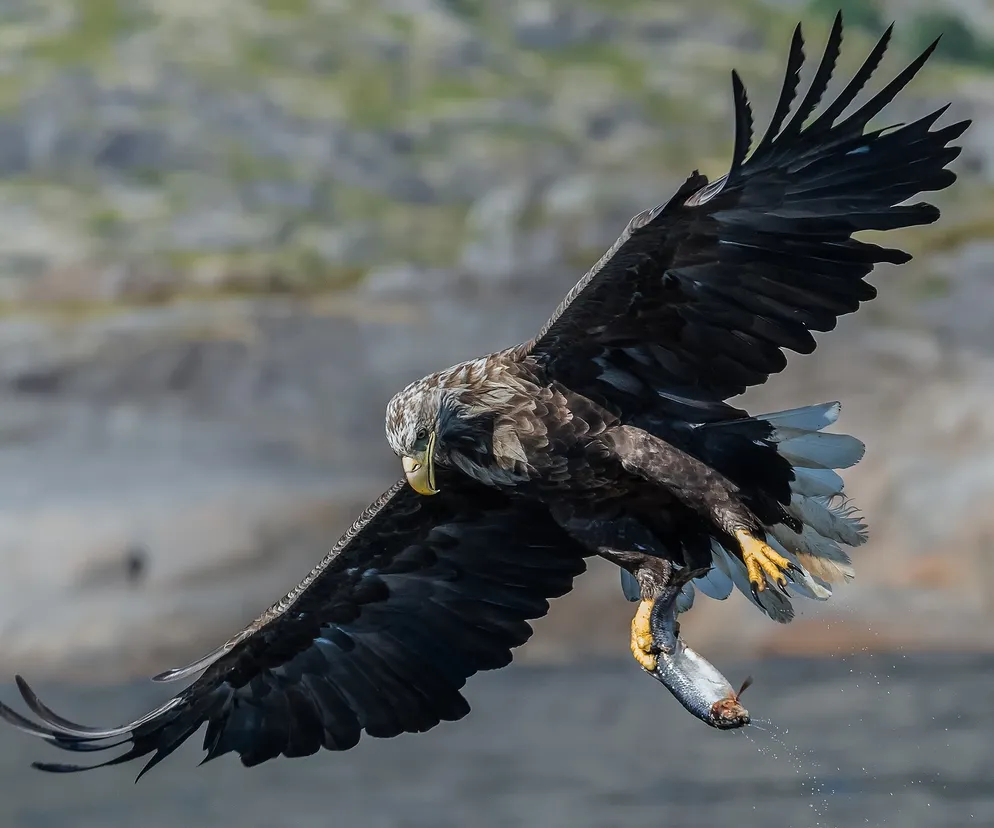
[(743, 122), (792, 76), (820, 81)]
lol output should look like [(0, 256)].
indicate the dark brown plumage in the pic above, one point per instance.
[(609, 433)]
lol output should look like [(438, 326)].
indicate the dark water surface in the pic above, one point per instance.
[(883, 740)]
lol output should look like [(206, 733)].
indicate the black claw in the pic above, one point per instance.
[(755, 590), (793, 567), (782, 585)]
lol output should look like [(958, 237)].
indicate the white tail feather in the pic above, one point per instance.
[(835, 523), (808, 418), (817, 483), (804, 583), (716, 584), (816, 450), (821, 556), (817, 490)]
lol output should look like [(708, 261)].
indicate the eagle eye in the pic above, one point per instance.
[(421, 434)]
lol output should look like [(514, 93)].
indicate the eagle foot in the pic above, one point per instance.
[(763, 562), (643, 647)]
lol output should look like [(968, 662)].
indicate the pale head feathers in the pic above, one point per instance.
[(446, 402)]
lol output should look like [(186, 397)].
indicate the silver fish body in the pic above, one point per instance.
[(692, 679), (700, 687)]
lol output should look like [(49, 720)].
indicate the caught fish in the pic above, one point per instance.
[(692, 679)]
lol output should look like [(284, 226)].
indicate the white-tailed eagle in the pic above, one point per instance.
[(610, 433)]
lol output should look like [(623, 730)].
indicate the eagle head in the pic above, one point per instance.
[(441, 420), (412, 431)]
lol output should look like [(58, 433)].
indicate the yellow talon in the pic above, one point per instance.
[(761, 561), (642, 637)]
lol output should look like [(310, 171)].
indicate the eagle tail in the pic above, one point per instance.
[(826, 520)]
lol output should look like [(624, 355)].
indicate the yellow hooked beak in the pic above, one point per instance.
[(420, 469)]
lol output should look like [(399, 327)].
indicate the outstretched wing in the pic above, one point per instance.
[(698, 297), (420, 594)]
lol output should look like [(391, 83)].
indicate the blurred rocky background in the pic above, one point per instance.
[(231, 229)]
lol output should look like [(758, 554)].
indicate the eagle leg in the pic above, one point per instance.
[(763, 562), (626, 542), (653, 575), (643, 646)]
